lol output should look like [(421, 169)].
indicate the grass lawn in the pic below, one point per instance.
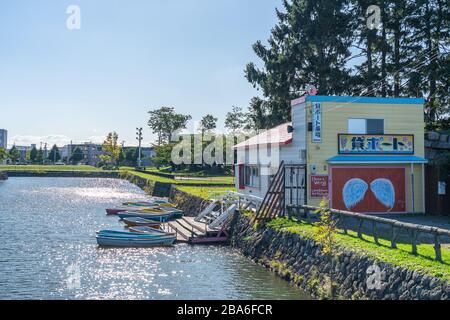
[(206, 192), (44, 168), (205, 181), (402, 257)]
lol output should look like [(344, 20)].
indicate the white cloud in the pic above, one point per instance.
[(26, 140)]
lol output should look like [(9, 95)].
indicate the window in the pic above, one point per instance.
[(252, 178), (366, 126)]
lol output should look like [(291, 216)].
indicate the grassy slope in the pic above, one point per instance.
[(218, 180), (205, 192), (402, 257)]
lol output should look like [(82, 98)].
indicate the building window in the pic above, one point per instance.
[(252, 176), (366, 126)]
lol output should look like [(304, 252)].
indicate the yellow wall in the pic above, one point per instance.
[(398, 119)]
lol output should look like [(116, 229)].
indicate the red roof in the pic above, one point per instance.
[(275, 136)]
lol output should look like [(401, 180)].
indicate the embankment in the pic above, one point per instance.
[(3, 176), (352, 275), (190, 204)]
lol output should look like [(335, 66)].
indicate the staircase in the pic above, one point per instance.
[(273, 203)]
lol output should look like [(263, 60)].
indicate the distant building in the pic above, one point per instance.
[(3, 139), (91, 152)]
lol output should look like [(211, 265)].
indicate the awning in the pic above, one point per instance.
[(376, 159)]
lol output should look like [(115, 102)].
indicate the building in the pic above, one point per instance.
[(364, 154), (3, 139), (91, 152)]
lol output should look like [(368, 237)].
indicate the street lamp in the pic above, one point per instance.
[(139, 138)]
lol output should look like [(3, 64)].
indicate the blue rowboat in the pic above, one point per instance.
[(116, 233), (163, 217), (138, 221), (134, 241), (148, 230)]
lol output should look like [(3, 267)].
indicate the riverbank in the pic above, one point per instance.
[(352, 273)]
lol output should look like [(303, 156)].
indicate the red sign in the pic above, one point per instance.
[(319, 186)]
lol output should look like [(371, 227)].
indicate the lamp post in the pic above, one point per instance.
[(139, 138)]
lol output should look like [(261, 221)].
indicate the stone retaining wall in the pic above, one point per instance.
[(355, 276), (3, 176)]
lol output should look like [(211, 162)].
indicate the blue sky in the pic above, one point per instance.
[(128, 57)]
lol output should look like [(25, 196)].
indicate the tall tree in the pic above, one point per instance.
[(235, 119), (77, 155), (164, 122), (14, 154), (54, 154), (3, 155), (309, 45), (33, 155), (208, 123), (111, 147)]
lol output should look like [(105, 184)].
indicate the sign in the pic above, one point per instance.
[(319, 186), (375, 144), (441, 188), (316, 123)]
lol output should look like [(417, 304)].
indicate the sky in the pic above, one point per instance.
[(127, 58)]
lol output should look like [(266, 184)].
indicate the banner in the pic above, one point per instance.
[(375, 144), (316, 122)]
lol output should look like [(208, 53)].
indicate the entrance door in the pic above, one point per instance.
[(295, 183), (368, 189)]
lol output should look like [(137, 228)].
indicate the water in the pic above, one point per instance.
[(48, 251)]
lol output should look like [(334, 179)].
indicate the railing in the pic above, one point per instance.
[(396, 226)]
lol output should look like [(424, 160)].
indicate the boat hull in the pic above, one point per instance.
[(155, 217), (137, 221), (134, 242)]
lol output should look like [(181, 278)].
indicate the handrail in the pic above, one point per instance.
[(414, 229)]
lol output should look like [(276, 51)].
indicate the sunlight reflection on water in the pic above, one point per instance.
[(48, 228)]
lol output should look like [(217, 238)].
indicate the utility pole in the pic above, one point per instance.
[(45, 153), (139, 138)]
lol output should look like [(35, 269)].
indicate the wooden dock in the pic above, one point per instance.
[(190, 231)]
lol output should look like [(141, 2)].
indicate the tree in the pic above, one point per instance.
[(164, 122), (111, 147), (208, 123), (3, 155), (14, 154), (309, 45), (77, 155), (131, 156), (54, 154), (235, 119), (33, 155), (163, 155)]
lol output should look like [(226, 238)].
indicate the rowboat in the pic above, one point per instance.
[(163, 217), (138, 221), (135, 241), (120, 234), (149, 230), (144, 203), (116, 210)]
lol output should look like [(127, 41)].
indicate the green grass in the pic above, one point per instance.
[(206, 181), (402, 257), (45, 168), (206, 192)]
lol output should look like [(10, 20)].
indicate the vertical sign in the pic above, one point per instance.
[(319, 186), (316, 123)]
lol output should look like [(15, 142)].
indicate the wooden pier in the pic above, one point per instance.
[(194, 232)]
